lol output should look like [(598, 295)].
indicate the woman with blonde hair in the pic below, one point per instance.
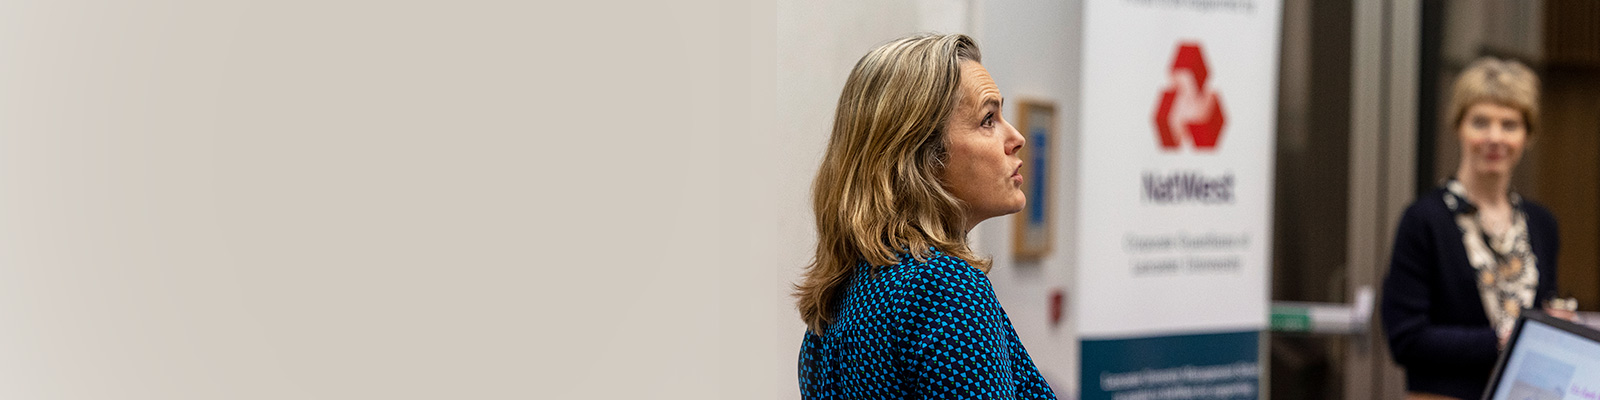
[(896, 304), (1472, 255)]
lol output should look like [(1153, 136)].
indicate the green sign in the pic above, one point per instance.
[(1291, 319)]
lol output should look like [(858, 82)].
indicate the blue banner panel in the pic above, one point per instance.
[(1206, 366)]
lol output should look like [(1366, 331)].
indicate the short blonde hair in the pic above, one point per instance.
[(878, 194), (1503, 82)]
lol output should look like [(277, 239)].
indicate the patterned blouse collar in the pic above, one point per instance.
[(1455, 197), (1507, 269)]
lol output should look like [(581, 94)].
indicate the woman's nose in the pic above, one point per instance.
[(1017, 140)]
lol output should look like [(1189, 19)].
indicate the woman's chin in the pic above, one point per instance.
[(1020, 205)]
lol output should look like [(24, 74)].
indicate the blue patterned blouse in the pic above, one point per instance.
[(919, 330)]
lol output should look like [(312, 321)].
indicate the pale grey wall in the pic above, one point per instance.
[(339, 199)]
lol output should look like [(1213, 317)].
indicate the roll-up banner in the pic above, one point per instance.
[(1178, 121)]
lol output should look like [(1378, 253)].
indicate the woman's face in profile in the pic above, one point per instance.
[(983, 168), (1492, 137)]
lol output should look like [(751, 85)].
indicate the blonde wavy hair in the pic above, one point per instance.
[(1504, 82), (878, 194)]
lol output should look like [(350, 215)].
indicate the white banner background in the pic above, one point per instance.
[(1129, 48)]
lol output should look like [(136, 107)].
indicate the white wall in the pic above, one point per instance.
[(341, 199)]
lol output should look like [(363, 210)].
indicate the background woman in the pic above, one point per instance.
[(896, 303), (1471, 255)]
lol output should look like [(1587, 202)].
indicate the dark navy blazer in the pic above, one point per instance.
[(1432, 312)]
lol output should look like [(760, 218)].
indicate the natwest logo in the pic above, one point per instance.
[(1189, 109)]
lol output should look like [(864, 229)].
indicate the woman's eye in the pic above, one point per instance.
[(1511, 126), (988, 120), (1480, 123)]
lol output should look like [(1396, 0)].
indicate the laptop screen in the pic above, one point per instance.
[(1548, 359)]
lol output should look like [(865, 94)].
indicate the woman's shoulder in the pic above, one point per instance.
[(932, 271), (1537, 211), (937, 263), (1541, 222), (941, 283), (1433, 205)]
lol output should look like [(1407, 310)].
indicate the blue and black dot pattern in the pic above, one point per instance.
[(919, 330)]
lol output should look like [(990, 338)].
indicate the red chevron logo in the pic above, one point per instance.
[(1189, 109)]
